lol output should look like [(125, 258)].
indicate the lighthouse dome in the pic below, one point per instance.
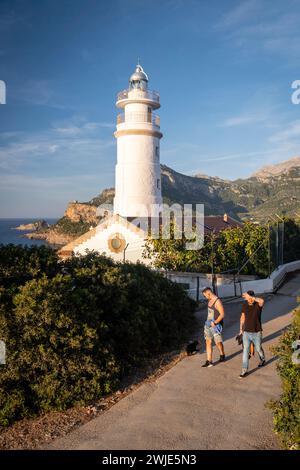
[(138, 75)]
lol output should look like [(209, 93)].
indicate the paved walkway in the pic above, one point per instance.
[(194, 408)]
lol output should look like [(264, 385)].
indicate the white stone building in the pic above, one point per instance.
[(137, 178)]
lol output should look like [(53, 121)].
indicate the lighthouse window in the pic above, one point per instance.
[(157, 151), (157, 183)]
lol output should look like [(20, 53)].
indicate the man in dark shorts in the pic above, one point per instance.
[(213, 326), (250, 327)]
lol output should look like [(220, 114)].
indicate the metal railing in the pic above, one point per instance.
[(143, 94), (139, 117)]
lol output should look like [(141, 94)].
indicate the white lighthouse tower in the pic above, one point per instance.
[(138, 179)]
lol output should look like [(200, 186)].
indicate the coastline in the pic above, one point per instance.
[(9, 234), (51, 236)]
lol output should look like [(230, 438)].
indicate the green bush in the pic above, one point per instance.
[(73, 331), (68, 226), (226, 250), (229, 250), (286, 410), (19, 264)]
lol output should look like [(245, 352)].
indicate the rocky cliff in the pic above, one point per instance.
[(279, 169), (53, 237), (77, 219), (38, 225), (81, 212)]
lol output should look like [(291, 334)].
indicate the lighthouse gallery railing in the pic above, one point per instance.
[(145, 94), (139, 117)]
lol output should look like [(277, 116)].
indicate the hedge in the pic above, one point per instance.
[(286, 410), (73, 329)]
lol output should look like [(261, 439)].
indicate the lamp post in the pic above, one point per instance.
[(212, 260), (124, 252), (282, 237), (269, 250)]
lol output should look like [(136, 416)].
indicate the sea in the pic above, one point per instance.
[(8, 233)]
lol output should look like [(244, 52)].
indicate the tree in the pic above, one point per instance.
[(72, 329), (228, 250)]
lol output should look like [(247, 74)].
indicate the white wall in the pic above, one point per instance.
[(284, 269), (225, 284), (99, 243)]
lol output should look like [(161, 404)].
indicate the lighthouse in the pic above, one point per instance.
[(137, 176)]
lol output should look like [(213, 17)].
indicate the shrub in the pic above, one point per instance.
[(72, 332), (286, 410), (68, 226), (226, 250), (19, 264), (229, 250)]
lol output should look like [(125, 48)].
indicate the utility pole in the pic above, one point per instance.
[(269, 250), (125, 252), (282, 243), (275, 225), (198, 289), (282, 236), (212, 261)]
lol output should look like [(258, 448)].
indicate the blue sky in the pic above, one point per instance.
[(223, 70)]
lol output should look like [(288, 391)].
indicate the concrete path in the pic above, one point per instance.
[(194, 408)]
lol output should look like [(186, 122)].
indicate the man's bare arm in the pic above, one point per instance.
[(242, 322), (260, 301)]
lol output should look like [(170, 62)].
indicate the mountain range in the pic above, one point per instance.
[(273, 189)]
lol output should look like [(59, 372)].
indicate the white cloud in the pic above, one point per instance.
[(16, 181), (42, 171), (288, 135), (242, 12), (38, 93), (241, 120), (233, 156), (46, 196), (281, 24), (70, 145), (253, 27), (84, 128), (259, 108)]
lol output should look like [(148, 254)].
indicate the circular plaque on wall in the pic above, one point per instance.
[(116, 243)]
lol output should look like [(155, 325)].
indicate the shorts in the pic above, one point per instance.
[(210, 333)]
